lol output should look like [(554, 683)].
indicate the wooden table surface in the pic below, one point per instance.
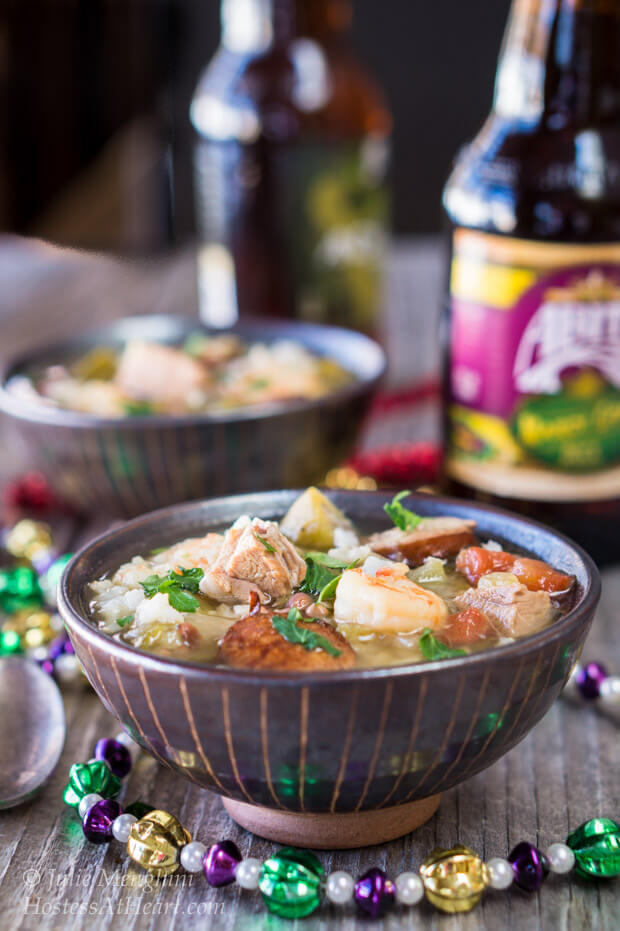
[(565, 771)]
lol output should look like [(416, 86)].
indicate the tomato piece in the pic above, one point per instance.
[(466, 627), (475, 561)]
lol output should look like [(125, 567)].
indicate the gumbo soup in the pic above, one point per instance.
[(312, 592)]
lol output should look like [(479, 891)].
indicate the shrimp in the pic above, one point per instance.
[(388, 602)]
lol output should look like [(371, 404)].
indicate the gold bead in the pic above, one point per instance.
[(27, 538), (454, 879), (155, 841), (39, 630)]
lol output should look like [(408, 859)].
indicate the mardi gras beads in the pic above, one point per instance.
[(293, 882)]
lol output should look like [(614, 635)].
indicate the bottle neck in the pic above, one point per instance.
[(252, 25), (560, 63)]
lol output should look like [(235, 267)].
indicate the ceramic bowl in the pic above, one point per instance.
[(334, 759), (127, 466)]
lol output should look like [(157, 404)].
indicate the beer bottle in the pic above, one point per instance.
[(532, 416), (290, 155)]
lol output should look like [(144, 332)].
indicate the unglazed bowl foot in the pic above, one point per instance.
[(333, 831)]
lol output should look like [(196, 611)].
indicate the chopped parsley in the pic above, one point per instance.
[(433, 649), (401, 516), (329, 592), (123, 621), (177, 584), (138, 408), (266, 544), (288, 628), (319, 574)]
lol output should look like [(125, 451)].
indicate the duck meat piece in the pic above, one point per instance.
[(254, 643), (159, 374), (512, 608), (536, 575), (255, 557), (434, 536)]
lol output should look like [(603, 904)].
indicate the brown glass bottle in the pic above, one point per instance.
[(532, 323), (289, 167)]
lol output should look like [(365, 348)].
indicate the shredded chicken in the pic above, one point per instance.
[(257, 558), (153, 372), (512, 608)]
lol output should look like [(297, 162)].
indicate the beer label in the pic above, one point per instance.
[(534, 390), (333, 213)]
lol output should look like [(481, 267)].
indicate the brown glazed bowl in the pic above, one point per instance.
[(334, 759), (131, 465)]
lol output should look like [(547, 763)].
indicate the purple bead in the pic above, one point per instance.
[(220, 862), (47, 666), (529, 865), (374, 892), (590, 678), (57, 647), (97, 823), (115, 754)]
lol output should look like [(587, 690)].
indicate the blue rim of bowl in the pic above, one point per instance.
[(584, 608), (273, 331)]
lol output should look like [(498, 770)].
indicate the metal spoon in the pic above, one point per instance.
[(32, 729)]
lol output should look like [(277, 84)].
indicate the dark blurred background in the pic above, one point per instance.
[(95, 141)]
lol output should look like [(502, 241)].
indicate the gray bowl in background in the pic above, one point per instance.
[(127, 466)]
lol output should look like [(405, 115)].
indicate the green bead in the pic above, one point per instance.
[(50, 580), (291, 883), (139, 809), (85, 778), (596, 845), (9, 642), (19, 588)]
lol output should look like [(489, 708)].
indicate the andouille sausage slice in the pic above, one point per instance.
[(434, 536), (475, 561), (254, 643)]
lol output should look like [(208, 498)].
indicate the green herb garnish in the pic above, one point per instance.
[(259, 383), (157, 550), (138, 408), (123, 621), (288, 628), (329, 592), (266, 544), (432, 648), (401, 516), (176, 584), (319, 572)]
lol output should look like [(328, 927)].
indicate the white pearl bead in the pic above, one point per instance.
[(192, 855), (339, 887), (247, 873), (561, 858), (609, 692), (66, 668), (121, 827), (132, 746), (500, 873), (87, 802), (409, 888)]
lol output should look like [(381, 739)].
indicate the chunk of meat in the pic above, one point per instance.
[(536, 575), (513, 609), (387, 601), (256, 558), (254, 643), (466, 628), (159, 374), (195, 552), (434, 536)]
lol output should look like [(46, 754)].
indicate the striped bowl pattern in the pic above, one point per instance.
[(348, 741), (130, 466)]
